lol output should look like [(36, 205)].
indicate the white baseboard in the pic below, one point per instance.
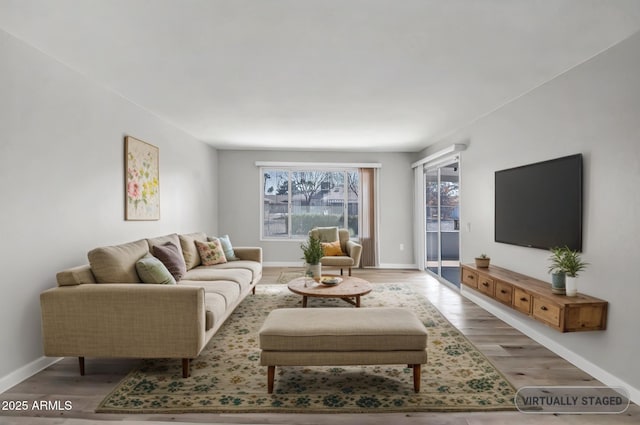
[(397, 266), (520, 323), (301, 265), (26, 371), (283, 264)]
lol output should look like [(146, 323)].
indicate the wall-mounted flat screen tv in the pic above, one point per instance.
[(540, 205)]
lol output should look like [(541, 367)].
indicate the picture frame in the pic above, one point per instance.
[(142, 180)]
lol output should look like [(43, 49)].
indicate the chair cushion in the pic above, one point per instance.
[(337, 261), (327, 234)]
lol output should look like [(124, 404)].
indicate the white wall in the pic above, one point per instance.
[(62, 185), (593, 109), (240, 188)]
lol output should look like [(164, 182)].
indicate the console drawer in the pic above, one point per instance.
[(546, 311), (469, 278), (486, 286), (521, 301), (504, 292)]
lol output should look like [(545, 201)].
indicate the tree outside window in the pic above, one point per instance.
[(295, 201)]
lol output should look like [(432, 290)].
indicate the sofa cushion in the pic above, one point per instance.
[(210, 273), (230, 291), (169, 254), (189, 250), (225, 240), (215, 309), (331, 248), (253, 266), (211, 252), (117, 264), (151, 270)]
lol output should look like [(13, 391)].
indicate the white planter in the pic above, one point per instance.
[(314, 271), (571, 286)]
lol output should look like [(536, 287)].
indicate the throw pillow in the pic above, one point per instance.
[(191, 257), (211, 252), (331, 248), (151, 270), (170, 256), (229, 253), (327, 234)]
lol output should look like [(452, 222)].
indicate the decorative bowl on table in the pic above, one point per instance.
[(330, 280)]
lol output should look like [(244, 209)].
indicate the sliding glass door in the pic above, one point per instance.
[(442, 186)]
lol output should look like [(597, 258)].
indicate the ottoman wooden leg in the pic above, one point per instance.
[(271, 373), (416, 377)]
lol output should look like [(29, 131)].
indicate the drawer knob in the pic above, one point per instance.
[(502, 291), (543, 308), (524, 299), (470, 276), (485, 284)]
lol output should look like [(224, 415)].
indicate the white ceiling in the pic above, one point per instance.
[(378, 75)]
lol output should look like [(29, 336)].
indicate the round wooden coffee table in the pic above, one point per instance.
[(350, 289)]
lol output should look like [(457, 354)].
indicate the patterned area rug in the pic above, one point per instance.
[(286, 277), (227, 376)]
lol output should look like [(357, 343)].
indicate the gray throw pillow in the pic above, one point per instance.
[(170, 256)]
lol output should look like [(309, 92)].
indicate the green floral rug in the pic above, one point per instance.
[(227, 376)]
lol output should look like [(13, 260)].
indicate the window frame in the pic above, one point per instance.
[(305, 167)]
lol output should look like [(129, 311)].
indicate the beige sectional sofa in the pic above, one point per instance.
[(103, 309)]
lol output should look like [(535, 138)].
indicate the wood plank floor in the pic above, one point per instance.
[(520, 359)]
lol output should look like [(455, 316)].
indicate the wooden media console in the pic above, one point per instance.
[(534, 298)]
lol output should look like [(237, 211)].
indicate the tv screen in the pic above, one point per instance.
[(540, 205)]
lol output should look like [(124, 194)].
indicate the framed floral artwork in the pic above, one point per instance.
[(142, 180)]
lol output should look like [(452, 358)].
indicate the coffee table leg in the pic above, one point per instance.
[(304, 302), (357, 300)]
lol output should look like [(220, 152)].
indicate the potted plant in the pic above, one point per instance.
[(483, 261), (557, 271), (312, 253), (572, 265)]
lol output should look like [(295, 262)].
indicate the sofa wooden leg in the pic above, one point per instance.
[(271, 373), (185, 368), (253, 291), (81, 364), (416, 377)]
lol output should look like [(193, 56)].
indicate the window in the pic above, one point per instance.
[(296, 200)]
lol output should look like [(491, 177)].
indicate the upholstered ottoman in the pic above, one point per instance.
[(335, 336)]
